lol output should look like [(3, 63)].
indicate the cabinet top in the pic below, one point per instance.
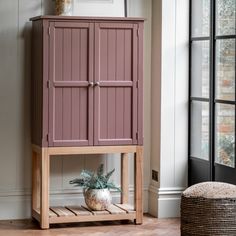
[(91, 18)]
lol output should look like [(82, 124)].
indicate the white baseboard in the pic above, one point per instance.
[(17, 204), (15, 207), (164, 202)]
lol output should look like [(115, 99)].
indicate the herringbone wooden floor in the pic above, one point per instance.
[(150, 227)]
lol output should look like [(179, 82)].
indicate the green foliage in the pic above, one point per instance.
[(226, 150), (227, 143), (92, 180)]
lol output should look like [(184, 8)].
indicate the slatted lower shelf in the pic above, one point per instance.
[(83, 214)]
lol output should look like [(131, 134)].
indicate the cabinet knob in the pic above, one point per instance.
[(97, 83), (91, 84)]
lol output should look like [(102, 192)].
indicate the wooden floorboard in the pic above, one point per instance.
[(151, 227)]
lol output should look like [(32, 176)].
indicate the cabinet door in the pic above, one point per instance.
[(115, 90), (70, 76)]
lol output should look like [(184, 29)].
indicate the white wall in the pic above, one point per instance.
[(98, 7), (169, 105), (15, 159), (14, 105)]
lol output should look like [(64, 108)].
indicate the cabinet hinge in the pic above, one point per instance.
[(48, 83), (47, 137), (49, 31), (137, 135), (138, 32)]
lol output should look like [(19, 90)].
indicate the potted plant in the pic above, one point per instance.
[(96, 188)]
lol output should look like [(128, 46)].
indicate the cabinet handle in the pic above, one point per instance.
[(91, 84), (97, 83)]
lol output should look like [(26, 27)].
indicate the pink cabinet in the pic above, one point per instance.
[(87, 81)]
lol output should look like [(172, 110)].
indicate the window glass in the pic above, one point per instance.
[(225, 17), (200, 69), (225, 69), (225, 133), (200, 18), (200, 130)]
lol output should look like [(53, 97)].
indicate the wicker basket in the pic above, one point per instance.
[(209, 209)]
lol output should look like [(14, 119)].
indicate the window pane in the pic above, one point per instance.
[(200, 69), (225, 132), (225, 69), (225, 17), (200, 18), (200, 130)]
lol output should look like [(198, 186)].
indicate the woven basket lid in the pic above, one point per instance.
[(216, 190)]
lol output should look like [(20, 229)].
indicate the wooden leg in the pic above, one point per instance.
[(124, 178), (44, 198), (139, 184), (35, 180)]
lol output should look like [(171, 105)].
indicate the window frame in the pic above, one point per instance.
[(213, 101)]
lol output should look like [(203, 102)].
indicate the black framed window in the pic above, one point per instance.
[(212, 90)]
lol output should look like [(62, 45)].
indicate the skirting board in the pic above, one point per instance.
[(17, 205), (164, 202)]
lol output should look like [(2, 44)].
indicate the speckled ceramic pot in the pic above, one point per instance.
[(97, 199), (63, 7)]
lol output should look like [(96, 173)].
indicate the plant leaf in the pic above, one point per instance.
[(86, 174), (111, 185), (78, 182), (100, 170), (109, 174)]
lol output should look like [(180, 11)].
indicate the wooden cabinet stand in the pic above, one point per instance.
[(87, 98), (47, 215)]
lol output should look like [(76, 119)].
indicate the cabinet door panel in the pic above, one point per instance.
[(71, 97), (115, 97), (115, 115)]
